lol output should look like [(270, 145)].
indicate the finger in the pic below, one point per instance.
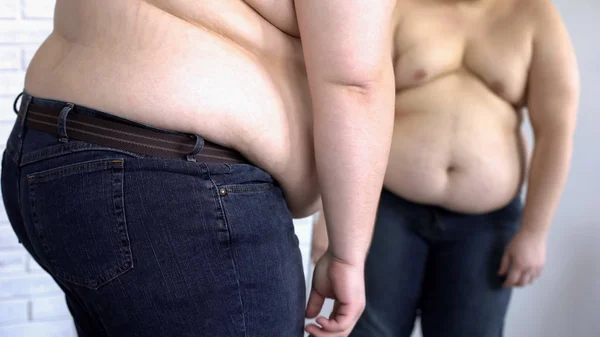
[(504, 265), (535, 274), (531, 279), (526, 278), (345, 317), (315, 304), (330, 325), (316, 331), (514, 276), (336, 306)]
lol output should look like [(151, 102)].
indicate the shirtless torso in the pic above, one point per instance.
[(461, 82), (231, 71), (465, 71)]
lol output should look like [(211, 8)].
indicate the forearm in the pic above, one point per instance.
[(319, 238), (352, 143), (547, 177)]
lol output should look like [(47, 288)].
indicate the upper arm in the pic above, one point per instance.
[(345, 41), (554, 77)]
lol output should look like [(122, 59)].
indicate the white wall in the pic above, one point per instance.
[(30, 303), (564, 303)]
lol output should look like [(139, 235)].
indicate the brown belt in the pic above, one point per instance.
[(128, 136)]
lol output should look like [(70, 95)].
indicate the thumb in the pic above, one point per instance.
[(315, 304), (504, 265)]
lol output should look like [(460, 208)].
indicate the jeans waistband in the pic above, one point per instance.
[(70, 121), (513, 207)]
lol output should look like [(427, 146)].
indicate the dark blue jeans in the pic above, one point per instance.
[(440, 265), (146, 246)]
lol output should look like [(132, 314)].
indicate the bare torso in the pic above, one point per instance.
[(461, 78), (231, 71)]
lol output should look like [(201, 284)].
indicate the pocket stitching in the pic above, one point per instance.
[(69, 148), (116, 166), (72, 169), (249, 188)]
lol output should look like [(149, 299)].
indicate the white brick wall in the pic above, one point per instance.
[(9, 9), (60, 328), (31, 305)]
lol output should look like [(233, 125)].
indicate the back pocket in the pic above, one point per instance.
[(79, 217)]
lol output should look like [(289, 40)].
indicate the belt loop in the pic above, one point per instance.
[(197, 148), (62, 123), (15, 103), (24, 109)]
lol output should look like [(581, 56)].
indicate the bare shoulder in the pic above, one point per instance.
[(545, 16), (554, 75), (550, 35)]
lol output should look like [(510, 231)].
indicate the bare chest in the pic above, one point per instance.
[(432, 41)]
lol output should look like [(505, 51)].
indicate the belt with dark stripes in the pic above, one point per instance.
[(129, 136)]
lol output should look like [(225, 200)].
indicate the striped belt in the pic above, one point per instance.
[(79, 123)]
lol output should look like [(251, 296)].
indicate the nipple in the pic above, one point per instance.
[(498, 87), (419, 75)]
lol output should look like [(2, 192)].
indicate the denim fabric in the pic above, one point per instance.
[(146, 246), (437, 264)]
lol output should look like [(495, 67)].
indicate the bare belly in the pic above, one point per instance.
[(219, 70), (456, 145)]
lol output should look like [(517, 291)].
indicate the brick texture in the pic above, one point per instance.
[(9, 9), (49, 308), (27, 286), (63, 328), (10, 58), (38, 9), (31, 304), (13, 311), (13, 262), (8, 239)]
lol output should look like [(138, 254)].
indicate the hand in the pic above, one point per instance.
[(523, 259), (344, 282)]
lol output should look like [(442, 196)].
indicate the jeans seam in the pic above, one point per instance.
[(34, 220), (118, 173), (221, 210), (12, 152)]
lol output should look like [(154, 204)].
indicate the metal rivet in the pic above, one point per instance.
[(223, 191)]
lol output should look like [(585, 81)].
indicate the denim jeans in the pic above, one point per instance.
[(147, 246), (437, 264)]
